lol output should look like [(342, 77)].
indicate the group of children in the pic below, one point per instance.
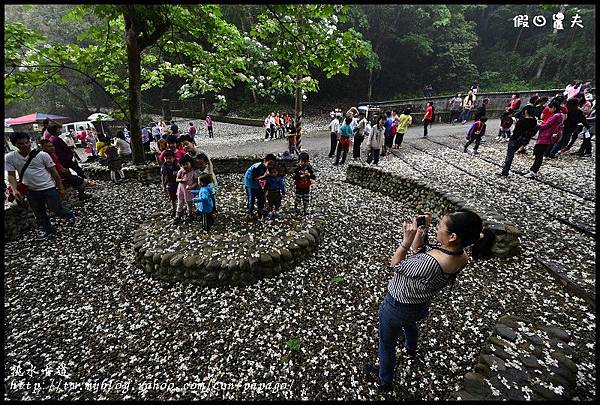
[(190, 185), (264, 182), (187, 180)]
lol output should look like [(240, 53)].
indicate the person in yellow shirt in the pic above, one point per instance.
[(102, 144), (404, 121)]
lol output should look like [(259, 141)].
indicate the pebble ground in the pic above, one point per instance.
[(82, 322)]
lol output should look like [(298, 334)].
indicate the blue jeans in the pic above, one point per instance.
[(50, 197), (395, 318), (464, 115), (252, 195)]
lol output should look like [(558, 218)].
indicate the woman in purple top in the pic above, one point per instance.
[(64, 153)]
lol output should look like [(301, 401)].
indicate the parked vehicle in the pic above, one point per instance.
[(74, 126)]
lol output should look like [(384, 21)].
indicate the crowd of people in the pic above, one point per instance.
[(380, 135), (279, 126), (556, 122)]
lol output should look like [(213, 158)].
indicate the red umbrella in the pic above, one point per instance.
[(35, 118)]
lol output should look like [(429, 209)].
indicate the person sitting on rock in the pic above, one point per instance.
[(67, 177)]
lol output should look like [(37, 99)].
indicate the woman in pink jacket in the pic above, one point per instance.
[(548, 135)]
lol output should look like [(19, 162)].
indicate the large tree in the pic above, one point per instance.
[(302, 39), (129, 50)]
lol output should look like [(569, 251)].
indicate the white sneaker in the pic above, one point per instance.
[(530, 175)]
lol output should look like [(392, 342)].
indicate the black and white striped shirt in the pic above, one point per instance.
[(417, 279)]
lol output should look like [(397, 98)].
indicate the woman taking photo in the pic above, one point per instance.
[(418, 278)]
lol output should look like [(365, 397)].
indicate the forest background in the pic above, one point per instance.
[(449, 47)]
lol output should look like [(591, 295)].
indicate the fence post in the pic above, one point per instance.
[(166, 109)]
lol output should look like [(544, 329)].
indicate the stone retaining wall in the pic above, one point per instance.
[(522, 360), (151, 172), (423, 197), (20, 218), (252, 122), (202, 270)]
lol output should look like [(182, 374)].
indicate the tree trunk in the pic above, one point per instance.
[(518, 38), (298, 111), (134, 59), (370, 89), (541, 67)]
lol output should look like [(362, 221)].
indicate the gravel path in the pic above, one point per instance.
[(79, 307)]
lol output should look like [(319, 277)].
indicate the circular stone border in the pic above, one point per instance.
[(203, 270)]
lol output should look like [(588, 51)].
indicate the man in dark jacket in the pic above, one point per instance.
[(524, 130), (481, 111)]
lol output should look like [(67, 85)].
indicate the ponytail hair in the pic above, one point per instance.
[(468, 226)]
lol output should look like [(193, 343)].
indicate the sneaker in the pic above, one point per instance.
[(72, 221), (475, 152), (43, 235), (530, 175), (372, 373), (465, 150)]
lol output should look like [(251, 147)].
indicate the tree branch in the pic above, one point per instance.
[(92, 79), (147, 40)]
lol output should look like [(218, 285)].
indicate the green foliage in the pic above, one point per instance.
[(293, 344), (298, 40), (339, 279)]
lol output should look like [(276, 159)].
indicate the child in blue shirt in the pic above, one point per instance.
[(275, 189), (204, 201)]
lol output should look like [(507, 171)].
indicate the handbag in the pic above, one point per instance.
[(22, 188)]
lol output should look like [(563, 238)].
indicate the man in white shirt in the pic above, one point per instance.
[(334, 127), (272, 125), (42, 180)]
